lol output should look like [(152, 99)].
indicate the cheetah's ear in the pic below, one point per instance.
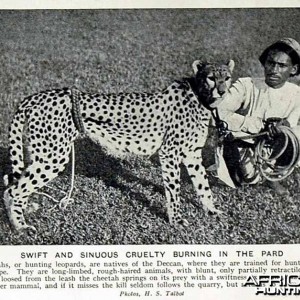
[(197, 65), (230, 65)]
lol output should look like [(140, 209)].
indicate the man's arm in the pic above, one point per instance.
[(238, 97), (294, 116)]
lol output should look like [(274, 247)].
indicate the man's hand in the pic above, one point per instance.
[(252, 124), (272, 125)]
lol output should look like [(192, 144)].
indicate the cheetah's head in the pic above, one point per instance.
[(212, 81)]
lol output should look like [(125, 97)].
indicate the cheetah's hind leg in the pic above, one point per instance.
[(33, 178), (14, 208), (67, 199)]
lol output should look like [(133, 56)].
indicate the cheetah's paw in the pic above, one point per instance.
[(208, 206), (183, 222), (179, 222), (26, 228), (5, 180)]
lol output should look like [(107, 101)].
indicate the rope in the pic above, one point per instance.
[(268, 160), (267, 164), (248, 136), (75, 96)]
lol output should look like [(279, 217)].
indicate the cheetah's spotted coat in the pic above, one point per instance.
[(173, 122)]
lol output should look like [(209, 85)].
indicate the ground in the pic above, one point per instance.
[(122, 201)]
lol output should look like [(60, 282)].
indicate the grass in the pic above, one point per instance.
[(122, 201)]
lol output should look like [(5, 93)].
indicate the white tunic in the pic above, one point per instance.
[(256, 101)]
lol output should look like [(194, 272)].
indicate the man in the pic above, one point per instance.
[(257, 100)]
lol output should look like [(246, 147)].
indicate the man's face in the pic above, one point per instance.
[(278, 68)]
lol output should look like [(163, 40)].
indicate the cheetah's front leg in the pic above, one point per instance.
[(199, 178), (171, 176)]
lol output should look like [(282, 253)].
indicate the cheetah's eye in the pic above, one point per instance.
[(227, 78)]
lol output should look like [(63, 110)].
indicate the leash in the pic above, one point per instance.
[(76, 114), (267, 152), (268, 155)]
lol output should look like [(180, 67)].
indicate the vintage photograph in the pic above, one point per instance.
[(150, 126)]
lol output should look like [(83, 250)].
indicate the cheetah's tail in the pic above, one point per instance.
[(16, 154)]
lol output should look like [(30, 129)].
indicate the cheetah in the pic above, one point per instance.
[(173, 122)]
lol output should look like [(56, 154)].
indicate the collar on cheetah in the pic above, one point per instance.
[(76, 114), (190, 83)]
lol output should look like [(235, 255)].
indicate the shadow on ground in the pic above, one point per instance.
[(93, 162)]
